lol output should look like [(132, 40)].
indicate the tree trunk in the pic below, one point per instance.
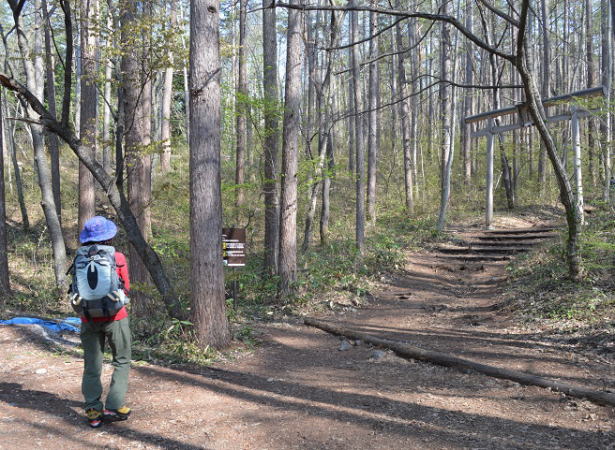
[(33, 68), (207, 275), (272, 138), (351, 122), (538, 115), (314, 191), (404, 116), (591, 76), (50, 91), (321, 81), (607, 76), (167, 99), (446, 113), (10, 142), (107, 138), (137, 123), (546, 86), (414, 103), (359, 147), (290, 154), (326, 189), (372, 146), (77, 116), (89, 105), (240, 111), (5, 287), (578, 177), (466, 129)]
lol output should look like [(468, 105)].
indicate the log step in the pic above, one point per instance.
[(504, 243), (471, 249), (476, 258), (521, 231), (520, 237)]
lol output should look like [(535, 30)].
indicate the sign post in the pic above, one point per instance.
[(234, 251)]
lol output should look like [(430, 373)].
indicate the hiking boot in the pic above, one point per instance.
[(116, 415), (94, 417)]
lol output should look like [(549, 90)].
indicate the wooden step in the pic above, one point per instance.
[(521, 231), (517, 237), (480, 249), (503, 243), (475, 258)]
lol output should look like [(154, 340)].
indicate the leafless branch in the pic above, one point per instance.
[(500, 14), (472, 86), (378, 33), (392, 12)]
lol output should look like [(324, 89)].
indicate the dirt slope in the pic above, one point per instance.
[(297, 390)]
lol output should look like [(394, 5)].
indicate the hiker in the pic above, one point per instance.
[(98, 294)]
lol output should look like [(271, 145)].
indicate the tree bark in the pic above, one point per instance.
[(414, 103), (5, 287), (207, 275), (373, 145), (50, 91), (241, 111), (466, 138), (404, 116), (25, 221), (167, 99), (326, 189), (107, 138), (607, 76), (137, 124), (359, 140), (88, 106), (446, 122), (591, 76), (290, 154), (546, 86), (272, 139), (77, 120), (351, 122)]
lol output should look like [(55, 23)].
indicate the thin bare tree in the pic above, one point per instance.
[(272, 138), (5, 287), (290, 153)]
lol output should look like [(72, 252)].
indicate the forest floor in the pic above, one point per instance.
[(306, 389)]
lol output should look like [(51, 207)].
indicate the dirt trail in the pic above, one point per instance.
[(297, 390)]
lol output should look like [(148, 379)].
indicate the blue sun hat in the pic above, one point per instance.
[(97, 229)]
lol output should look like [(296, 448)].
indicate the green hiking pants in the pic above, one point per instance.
[(93, 337)]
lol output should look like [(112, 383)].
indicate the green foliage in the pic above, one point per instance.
[(540, 288), (175, 344)]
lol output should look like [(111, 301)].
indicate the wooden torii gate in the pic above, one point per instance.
[(523, 120)]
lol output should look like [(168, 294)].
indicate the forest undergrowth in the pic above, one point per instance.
[(331, 276), (542, 297)]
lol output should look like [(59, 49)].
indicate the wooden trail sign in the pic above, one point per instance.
[(234, 247)]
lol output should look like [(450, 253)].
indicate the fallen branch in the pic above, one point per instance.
[(410, 352)]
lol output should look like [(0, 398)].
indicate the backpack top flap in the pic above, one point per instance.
[(95, 274)]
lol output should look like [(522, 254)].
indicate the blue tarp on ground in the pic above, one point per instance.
[(67, 324)]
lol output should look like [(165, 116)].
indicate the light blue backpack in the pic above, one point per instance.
[(96, 289)]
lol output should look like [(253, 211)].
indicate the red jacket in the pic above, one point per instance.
[(121, 267)]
